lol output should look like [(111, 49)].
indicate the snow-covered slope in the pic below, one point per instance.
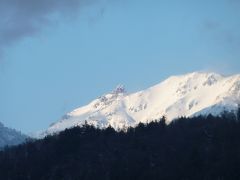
[(185, 95), (10, 136)]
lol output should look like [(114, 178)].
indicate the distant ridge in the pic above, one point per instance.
[(9, 137)]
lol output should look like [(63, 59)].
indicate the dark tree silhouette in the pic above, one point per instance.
[(198, 148)]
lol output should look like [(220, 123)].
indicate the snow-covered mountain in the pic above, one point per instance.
[(185, 95), (10, 136)]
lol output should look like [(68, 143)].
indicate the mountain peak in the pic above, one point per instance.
[(185, 95), (120, 89), (202, 74)]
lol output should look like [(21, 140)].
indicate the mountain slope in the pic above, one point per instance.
[(186, 95), (10, 136)]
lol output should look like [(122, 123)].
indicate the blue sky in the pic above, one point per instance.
[(77, 56)]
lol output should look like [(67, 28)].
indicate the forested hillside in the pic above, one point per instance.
[(199, 148)]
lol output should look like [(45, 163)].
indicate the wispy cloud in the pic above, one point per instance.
[(222, 33)]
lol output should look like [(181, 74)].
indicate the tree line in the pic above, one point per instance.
[(197, 148)]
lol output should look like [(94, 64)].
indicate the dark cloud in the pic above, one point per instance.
[(23, 18)]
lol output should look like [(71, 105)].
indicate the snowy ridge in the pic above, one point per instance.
[(186, 95)]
